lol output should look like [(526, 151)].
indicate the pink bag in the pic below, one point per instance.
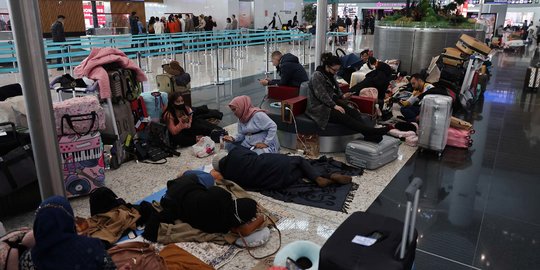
[(412, 141), (80, 115), (369, 92), (401, 134), (459, 138)]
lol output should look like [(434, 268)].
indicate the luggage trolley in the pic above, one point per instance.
[(94, 91)]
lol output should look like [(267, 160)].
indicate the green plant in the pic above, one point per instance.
[(310, 13)]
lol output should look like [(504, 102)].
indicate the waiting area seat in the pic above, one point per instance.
[(333, 139)]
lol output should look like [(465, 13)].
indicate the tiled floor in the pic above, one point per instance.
[(480, 208)]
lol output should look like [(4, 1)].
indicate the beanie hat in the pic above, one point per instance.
[(217, 158)]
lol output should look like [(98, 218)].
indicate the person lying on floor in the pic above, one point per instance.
[(379, 78), (270, 171), (256, 131), (326, 102), (411, 107), (182, 125), (57, 244), (210, 209)]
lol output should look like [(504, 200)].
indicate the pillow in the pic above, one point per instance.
[(256, 239)]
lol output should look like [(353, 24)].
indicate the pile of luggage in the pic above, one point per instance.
[(463, 71)]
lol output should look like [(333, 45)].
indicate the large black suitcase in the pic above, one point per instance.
[(394, 250)]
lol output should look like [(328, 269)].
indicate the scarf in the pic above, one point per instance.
[(244, 109), (57, 244)]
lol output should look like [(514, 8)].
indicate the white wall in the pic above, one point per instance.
[(526, 8), (220, 10), (282, 7)]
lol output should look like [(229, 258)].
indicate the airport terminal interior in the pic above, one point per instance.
[(283, 134)]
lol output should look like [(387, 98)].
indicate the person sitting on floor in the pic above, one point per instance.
[(411, 106), (57, 244), (270, 171), (183, 126), (210, 209), (326, 102), (256, 131), (181, 77), (291, 72)]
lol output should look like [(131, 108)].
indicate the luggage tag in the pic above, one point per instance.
[(364, 241)]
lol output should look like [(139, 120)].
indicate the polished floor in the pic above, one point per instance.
[(480, 209)]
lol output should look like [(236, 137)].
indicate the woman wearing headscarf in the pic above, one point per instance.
[(182, 125), (57, 244), (326, 102), (256, 131)]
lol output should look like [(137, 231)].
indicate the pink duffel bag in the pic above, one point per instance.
[(79, 116), (459, 138), (369, 92)]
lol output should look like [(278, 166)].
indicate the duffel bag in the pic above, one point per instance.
[(79, 116)]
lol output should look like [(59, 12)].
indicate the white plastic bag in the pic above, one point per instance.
[(204, 147)]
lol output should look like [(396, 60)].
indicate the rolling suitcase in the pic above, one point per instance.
[(352, 245), (435, 116), (82, 162), (470, 45), (155, 102), (165, 83), (372, 155), (120, 129), (459, 138)]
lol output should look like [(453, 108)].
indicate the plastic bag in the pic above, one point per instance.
[(204, 147)]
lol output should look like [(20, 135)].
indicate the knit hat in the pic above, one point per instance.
[(174, 68), (217, 158)]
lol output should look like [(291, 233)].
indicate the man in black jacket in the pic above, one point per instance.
[(133, 26), (291, 72), (58, 34)]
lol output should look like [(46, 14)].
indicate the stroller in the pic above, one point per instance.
[(350, 63)]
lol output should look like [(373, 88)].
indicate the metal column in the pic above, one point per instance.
[(320, 37), (28, 38)]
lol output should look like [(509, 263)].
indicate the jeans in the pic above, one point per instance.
[(410, 113)]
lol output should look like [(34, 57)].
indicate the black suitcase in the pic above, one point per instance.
[(393, 251)]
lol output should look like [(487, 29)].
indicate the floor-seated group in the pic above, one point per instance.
[(214, 206)]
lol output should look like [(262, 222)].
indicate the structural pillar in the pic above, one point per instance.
[(25, 22), (321, 26), (94, 15), (334, 10)]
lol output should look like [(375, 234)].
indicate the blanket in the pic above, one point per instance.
[(92, 67)]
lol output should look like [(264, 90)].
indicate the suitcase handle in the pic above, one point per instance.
[(66, 89), (413, 195), (13, 129), (78, 118)]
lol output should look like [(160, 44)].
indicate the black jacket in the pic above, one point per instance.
[(133, 26), (57, 31), (257, 172), (291, 72), (379, 78)]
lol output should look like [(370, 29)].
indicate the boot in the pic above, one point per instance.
[(340, 179), (323, 182)]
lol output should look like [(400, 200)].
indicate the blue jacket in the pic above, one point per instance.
[(291, 72)]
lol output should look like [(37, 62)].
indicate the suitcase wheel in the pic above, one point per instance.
[(78, 187), (472, 131)]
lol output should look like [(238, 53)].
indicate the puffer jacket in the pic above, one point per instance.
[(291, 72)]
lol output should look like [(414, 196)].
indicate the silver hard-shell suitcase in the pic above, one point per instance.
[(372, 155), (435, 116)]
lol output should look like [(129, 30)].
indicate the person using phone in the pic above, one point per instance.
[(290, 71), (256, 131), (182, 125)]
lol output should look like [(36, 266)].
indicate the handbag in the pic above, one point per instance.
[(309, 143), (82, 115), (138, 255), (265, 233)]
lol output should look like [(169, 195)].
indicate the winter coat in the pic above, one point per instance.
[(291, 72), (321, 97), (57, 31)]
